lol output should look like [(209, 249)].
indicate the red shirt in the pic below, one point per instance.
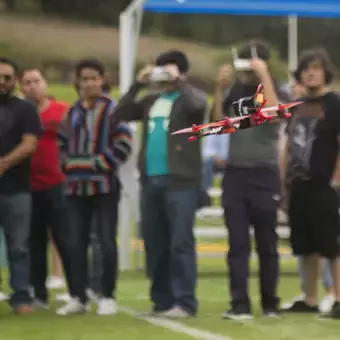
[(45, 170)]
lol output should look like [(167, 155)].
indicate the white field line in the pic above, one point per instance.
[(175, 326)]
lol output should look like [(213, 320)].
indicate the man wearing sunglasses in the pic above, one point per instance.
[(19, 132)]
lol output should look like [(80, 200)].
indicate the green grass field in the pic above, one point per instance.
[(133, 294)]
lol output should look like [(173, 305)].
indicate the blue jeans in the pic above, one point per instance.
[(208, 173), (15, 214), (326, 274), (168, 217)]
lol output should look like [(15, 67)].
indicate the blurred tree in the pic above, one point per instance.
[(10, 5), (213, 29)]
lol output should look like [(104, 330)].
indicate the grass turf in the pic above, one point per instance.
[(133, 293), (213, 296)]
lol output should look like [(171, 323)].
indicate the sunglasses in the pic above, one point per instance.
[(6, 78)]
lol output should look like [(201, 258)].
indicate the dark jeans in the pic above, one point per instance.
[(251, 197), (49, 211), (168, 217), (105, 210), (95, 260), (15, 212)]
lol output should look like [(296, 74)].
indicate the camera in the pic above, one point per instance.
[(160, 75), (243, 64)]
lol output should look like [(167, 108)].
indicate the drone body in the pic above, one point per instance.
[(250, 109)]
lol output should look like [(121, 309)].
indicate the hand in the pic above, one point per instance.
[(173, 71), (144, 73), (220, 163), (225, 75), (3, 166), (260, 67)]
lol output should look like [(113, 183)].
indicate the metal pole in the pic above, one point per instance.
[(293, 44)]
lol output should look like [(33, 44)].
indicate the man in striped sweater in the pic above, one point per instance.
[(94, 147)]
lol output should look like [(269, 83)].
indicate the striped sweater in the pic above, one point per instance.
[(93, 147)]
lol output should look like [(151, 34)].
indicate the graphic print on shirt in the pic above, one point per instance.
[(157, 144), (302, 133)]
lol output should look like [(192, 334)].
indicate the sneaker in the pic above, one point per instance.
[(326, 303), (64, 297), (92, 296), (239, 313), (288, 305), (3, 296), (175, 313), (23, 309), (334, 312), (271, 312), (74, 306), (55, 282), (301, 307), (107, 307), (39, 304)]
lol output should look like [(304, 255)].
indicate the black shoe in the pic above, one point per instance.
[(239, 312), (301, 307), (271, 312), (334, 313)]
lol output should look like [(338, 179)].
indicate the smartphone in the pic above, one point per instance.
[(243, 64)]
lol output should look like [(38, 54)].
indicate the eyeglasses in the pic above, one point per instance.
[(6, 78)]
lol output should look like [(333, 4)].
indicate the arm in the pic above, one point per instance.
[(63, 135), (31, 131), (115, 154), (216, 111), (269, 90), (195, 100), (283, 158), (128, 108), (336, 174)]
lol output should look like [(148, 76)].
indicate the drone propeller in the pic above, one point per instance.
[(197, 128), (281, 107), (187, 130)]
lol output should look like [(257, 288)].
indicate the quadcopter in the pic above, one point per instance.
[(249, 111)]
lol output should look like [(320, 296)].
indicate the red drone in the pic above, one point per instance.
[(250, 112)]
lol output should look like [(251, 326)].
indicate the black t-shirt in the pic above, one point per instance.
[(17, 118), (313, 134)]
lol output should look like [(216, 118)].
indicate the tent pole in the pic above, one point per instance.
[(293, 45), (129, 30)]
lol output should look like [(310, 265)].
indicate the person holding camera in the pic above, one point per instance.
[(170, 170), (251, 184)]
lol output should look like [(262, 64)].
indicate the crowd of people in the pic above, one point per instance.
[(59, 174)]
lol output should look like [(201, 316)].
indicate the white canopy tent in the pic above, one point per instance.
[(130, 26)]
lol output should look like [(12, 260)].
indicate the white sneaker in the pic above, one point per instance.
[(38, 304), (3, 296), (74, 306), (64, 297), (326, 303), (107, 307), (176, 313), (288, 305), (92, 296), (55, 282)]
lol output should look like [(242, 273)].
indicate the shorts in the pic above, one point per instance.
[(313, 213)]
